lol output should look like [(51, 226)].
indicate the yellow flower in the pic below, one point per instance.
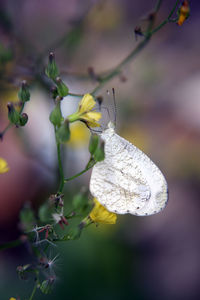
[(12, 298), (100, 214), (183, 13), (85, 113), (79, 135), (3, 166)]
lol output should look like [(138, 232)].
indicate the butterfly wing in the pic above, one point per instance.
[(127, 181)]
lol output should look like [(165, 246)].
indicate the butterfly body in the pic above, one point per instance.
[(127, 181)]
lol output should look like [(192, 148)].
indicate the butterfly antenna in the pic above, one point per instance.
[(91, 129), (115, 107)]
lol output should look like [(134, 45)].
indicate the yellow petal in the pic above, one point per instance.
[(92, 118), (87, 103), (100, 214), (79, 135), (12, 298), (3, 166)]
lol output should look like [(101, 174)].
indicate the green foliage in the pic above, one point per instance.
[(27, 218), (73, 234), (52, 70), (24, 94), (46, 285), (13, 114), (80, 203), (23, 119), (94, 141), (99, 154), (45, 212), (5, 54), (63, 132), (22, 271), (56, 115), (61, 88)]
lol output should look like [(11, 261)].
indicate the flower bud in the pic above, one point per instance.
[(63, 132), (46, 285), (56, 115), (23, 119), (54, 92), (13, 115), (24, 94), (61, 87), (52, 69), (183, 13)]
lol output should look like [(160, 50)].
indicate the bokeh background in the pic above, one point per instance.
[(158, 109)]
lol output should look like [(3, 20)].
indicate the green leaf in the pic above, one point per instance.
[(94, 140), (99, 154), (56, 115)]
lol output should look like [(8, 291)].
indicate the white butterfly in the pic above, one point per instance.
[(127, 181)]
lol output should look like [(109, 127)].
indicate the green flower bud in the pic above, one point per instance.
[(61, 87), (63, 132), (23, 271), (46, 285), (23, 119), (56, 115), (52, 69), (24, 94), (13, 115), (99, 154), (54, 92), (94, 140)]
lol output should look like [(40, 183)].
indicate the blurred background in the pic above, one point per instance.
[(158, 109)]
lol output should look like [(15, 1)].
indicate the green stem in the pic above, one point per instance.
[(34, 290), (80, 173), (168, 19), (174, 8), (75, 95), (11, 244), (118, 68), (60, 167), (157, 6), (5, 129)]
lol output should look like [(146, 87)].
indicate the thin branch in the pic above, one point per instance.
[(89, 166), (147, 36), (60, 167)]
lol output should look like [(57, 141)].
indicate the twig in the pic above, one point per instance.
[(80, 173)]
